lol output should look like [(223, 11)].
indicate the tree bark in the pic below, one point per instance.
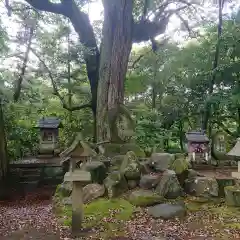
[(115, 50), (3, 147), (119, 31)]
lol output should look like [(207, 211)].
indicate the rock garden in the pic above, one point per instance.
[(161, 197)]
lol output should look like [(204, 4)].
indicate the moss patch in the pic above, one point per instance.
[(144, 201), (179, 165), (108, 216)]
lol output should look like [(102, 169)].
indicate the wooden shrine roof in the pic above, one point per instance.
[(200, 137), (49, 122)]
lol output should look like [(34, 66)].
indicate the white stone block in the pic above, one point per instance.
[(77, 176), (236, 175)]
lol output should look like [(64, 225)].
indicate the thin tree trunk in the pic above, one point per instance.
[(207, 112), (181, 135), (115, 50), (3, 146), (154, 92), (69, 80)]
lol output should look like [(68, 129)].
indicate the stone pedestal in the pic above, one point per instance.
[(237, 174), (79, 179)]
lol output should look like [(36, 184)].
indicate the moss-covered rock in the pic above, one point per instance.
[(202, 186), (130, 166), (92, 192), (144, 198), (115, 184), (179, 165), (169, 186), (232, 195), (149, 181), (98, 171), (161, 161)]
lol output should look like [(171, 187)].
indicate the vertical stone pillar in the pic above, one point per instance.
[(77, 208)]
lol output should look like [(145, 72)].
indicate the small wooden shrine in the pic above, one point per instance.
[(198, 147), (236, 153), (79, 151), (49, 131)]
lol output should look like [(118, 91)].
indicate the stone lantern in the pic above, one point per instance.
[(236, 153), (77, 152)]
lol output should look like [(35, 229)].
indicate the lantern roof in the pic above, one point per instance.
[(235, 150), (79, 148)]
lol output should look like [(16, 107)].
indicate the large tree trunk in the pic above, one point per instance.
[(115, 50), (3, 147)]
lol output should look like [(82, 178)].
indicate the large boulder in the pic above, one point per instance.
[(92, 192), (167, 211), (132, 184), (131, 167), (149, 181), (161, 161), (143, 198), (98, 171), (115, 184), (145, 168), (203, 186), (169, 186)]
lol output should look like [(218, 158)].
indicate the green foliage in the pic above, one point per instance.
[(175, 78), (149, 130)]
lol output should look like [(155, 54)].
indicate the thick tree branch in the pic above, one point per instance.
[(84, 29), (7, 5), (55, 88), (46, 5)]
